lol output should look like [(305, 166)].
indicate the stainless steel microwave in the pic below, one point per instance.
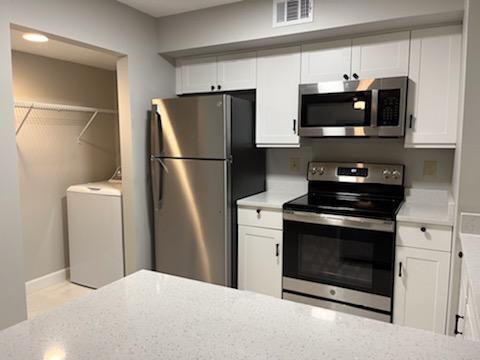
[(363, 108)]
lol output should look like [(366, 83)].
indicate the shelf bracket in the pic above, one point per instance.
[(23, 120), (89, 123)]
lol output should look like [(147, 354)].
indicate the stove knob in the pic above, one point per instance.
[(386, 174), (396, 174), (313, 170), (321, 171)]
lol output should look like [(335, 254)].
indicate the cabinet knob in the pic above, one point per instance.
[(212, 87), (355, 76), (219, 87), (460, 254), (346, 77), (259, 211), (423, 229)]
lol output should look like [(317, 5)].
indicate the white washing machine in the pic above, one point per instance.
[(95, 231)]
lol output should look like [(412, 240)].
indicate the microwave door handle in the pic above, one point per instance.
[(374, 108)]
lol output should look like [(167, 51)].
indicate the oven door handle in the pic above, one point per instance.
[(341, 221)]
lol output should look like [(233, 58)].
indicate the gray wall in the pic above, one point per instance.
[(12, 296), (251, 21), (49, 157), (354, 150), (142, 75), (469, 192)]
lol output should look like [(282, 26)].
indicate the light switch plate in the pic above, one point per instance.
[(294, 165), (430, 168)]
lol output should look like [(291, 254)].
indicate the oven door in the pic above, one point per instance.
[(345, 259)]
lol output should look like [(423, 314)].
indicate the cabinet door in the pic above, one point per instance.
[(278, 77), (434, 87), (237, 72), (260, 260), (381, 55), (198, 74), (421, 288), (329, 61)]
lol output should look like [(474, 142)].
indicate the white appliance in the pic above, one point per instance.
[(95, 230)]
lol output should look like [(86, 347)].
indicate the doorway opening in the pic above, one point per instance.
[(67, 131)]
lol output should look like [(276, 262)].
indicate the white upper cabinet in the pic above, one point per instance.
[(198, 75), (381, 55), (421, 288), (237, 71), (328, 61), (278, 78), (434, 87), (222, 73)]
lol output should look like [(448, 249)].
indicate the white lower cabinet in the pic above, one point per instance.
[(467, 325), (421, 288), (260, 260)]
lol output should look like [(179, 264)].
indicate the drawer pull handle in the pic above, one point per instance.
[(277, 250), (400, 265), (458, 317)]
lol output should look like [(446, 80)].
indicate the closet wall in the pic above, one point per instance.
[(49, 157)]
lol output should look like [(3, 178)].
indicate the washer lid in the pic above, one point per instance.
[(104, 188)]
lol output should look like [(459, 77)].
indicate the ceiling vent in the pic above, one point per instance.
[(292, 12)]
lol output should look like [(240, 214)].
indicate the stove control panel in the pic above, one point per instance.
[(356, 173)]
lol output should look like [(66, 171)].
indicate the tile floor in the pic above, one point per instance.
[(43, 300)]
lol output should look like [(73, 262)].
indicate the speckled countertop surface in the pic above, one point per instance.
[(153, 316), (270, 199), (427, 206)]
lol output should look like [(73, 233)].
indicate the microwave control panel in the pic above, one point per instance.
[(388, 112)]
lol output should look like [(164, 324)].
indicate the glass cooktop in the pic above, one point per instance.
[(347, 204)]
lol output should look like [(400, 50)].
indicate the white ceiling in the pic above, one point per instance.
[(158, 8), (64, 51)]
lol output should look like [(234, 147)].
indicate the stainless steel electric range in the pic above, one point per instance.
[(339, 239)]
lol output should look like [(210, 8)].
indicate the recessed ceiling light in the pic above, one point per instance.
[(35, 37)]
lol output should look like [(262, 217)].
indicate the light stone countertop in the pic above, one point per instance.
[(269, 199), (426, 206), (154, 316)]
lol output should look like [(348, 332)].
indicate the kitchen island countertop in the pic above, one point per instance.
[(150, 315)]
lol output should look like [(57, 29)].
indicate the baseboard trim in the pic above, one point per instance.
[(46, 280)]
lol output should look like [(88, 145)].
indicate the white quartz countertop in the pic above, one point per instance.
[(269, 199), (154, 316), (427, 207)]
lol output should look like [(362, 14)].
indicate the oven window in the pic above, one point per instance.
[(343, 262), (350, 258), (336, 110)]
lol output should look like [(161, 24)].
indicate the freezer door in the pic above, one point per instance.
[(191, 127), (192, 219)]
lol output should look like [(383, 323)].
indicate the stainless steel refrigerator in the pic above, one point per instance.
[(203, 159)]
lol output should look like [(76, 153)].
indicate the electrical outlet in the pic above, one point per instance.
[(294, 165), (430, 168)]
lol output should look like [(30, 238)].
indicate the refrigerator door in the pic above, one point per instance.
[(192, 219), (191, 127)]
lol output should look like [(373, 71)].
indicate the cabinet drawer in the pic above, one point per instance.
[(435, 237), (272, 219)]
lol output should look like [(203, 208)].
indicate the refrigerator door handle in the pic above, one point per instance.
[(156, 132), (157, 165)]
